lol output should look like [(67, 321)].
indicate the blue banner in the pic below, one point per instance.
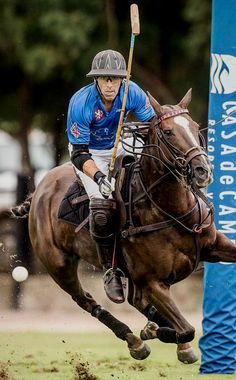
[(218, 343)]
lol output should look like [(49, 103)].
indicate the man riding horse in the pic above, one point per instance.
[(92, 122)]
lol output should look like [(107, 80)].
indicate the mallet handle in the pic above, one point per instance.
[(134, 16)]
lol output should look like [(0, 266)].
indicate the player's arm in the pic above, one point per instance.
[(82, 159)]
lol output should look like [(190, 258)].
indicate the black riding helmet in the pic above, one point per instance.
[(108, 63)]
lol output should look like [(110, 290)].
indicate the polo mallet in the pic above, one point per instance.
[(134, 17)]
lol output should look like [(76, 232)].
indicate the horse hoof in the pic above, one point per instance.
[(149, 331), (188, 356), (141, 352)]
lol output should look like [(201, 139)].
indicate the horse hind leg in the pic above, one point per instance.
[(158, 326), (64, 272)]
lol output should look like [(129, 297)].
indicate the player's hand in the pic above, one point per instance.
[(106, 187)]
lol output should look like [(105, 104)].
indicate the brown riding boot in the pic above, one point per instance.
[(113, 285), (102, 226)]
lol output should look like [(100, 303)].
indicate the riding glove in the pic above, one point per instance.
[(106, 187)]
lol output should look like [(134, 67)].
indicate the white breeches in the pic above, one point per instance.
[(102, 159)]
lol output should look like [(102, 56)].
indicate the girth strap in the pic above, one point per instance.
[(160, 225)]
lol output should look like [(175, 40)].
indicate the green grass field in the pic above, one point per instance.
[(94, 356)]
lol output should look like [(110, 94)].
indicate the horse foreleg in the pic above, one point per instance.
[(158, 326), (160, 298), (185, 352), (64, 272), (158, 295), (222, 250)]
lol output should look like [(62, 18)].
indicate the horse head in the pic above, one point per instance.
[(179, 141)]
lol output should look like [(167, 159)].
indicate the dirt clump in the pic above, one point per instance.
[(82, 371), (4, 374)]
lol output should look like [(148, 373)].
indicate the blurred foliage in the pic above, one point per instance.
[(46, 48)]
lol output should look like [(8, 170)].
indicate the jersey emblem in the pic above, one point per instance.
[(74, 129), (98, 114)]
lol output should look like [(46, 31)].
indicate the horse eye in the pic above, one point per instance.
[(168, 132)]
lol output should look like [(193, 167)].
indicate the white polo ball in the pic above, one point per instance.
[(20, 274)]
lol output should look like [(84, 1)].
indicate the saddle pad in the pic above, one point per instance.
[(74, 207)]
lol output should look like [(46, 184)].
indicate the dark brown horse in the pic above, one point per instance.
[(170, 230)]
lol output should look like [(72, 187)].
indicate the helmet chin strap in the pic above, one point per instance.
[(99, 90)]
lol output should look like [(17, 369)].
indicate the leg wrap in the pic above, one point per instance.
[(185, 338), (166, 335), (119, 328)]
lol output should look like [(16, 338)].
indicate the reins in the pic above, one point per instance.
[(197, 227), (178, 166)]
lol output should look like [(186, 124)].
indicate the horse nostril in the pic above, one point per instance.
[(201, 172)]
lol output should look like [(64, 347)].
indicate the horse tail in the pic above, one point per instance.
[(22, 210)]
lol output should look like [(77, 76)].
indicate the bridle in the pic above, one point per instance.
[(179, 160), (170, 114), (179, 166)]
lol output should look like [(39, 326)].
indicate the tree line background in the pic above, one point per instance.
[(46, 49)]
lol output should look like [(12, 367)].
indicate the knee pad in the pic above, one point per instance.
[(102, 219)]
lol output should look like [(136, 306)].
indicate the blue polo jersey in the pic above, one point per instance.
[(88, 122)]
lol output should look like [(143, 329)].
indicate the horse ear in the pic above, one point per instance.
[(157, 107), (186, 99)]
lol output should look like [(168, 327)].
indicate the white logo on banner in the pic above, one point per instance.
[(223, 74)]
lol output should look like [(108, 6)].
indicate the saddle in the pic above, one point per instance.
[(74, 208)]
